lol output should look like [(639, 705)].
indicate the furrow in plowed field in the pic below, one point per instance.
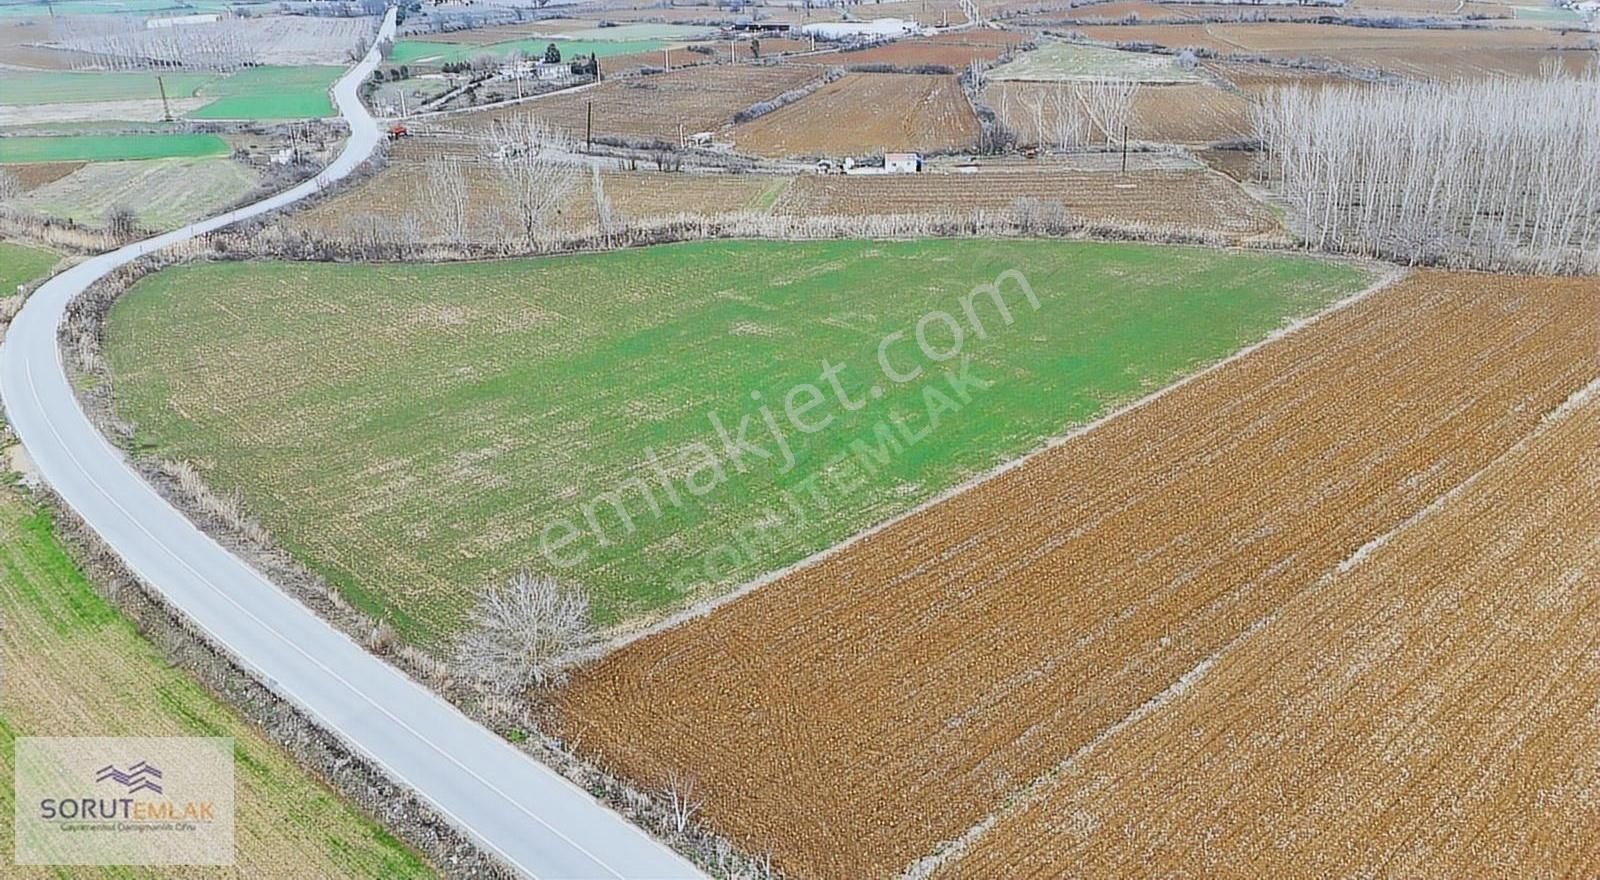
[(853, 715), (1432, 712)]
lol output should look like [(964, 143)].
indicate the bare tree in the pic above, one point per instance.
[(1108, 104), (121, 222), (10, 186), (603, 212), (536, 168), (1066, 119), (521, 633), (682, 804), (447, 197)]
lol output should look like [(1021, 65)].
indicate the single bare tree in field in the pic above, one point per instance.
[(536, 169), (521, 632)]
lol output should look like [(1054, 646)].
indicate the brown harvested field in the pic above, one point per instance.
[(771, 47), (1188, 114), (1258, 79), (1116, 11), (1169, 114), (1434, 711), (1287, 37), (1406, 52), (866, 113), (36, 174), (930, 13), (391, 194), (1171, 36), (653, 107), (19, 39), (1444, 63), (1237, 164), (854, 714), (911, 53), (1196, 199)]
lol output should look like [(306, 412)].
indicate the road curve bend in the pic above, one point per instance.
[(528, 815)]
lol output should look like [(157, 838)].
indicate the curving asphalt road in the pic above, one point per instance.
[(528, 815)]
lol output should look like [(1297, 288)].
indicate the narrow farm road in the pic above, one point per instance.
[(531, 817)]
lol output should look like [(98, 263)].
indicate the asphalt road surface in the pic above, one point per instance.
[(517, 808)]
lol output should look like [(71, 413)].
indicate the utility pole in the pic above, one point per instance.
[(666, 57), (588, 129), (166, 111), (1124, 149)]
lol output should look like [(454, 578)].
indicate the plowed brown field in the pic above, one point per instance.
[(1197, 113), (1432, 712), (866, 113), (854, 714), (910, 53)]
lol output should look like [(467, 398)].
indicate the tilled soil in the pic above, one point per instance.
[(854, 715), (1432, 712)]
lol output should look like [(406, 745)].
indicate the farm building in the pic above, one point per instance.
[(748, 25), (180, 20), (902, 163)]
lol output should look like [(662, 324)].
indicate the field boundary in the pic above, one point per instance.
[(1385, 279)]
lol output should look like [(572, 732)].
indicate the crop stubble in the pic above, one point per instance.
[(854, 714)]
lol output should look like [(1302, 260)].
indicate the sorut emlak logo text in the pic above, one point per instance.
[(124, 801)]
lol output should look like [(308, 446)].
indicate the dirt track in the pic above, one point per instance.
[(852, 716), (1434, 712)]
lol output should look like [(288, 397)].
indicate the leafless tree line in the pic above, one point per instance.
[(126, 44), (1076, 114), (1494, 174)]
